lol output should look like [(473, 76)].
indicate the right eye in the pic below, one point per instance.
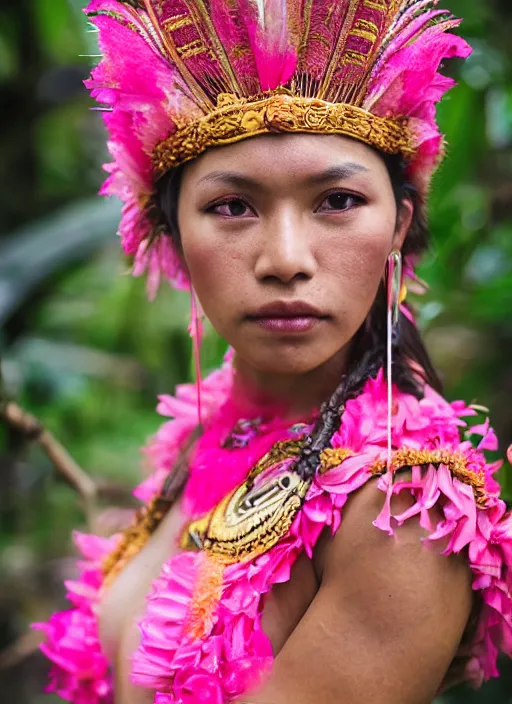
[(231, 208)]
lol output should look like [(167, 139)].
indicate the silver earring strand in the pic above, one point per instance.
[(394, 285)]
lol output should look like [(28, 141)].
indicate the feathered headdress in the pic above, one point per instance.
[(180, 76)]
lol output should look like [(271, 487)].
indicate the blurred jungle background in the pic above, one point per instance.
[(83, 351)]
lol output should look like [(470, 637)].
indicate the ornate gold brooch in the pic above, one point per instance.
[(257, 514), (235, 119)]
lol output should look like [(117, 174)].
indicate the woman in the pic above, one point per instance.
[(321, 526)]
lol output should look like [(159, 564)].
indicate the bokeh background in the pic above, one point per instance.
[(83, 350)]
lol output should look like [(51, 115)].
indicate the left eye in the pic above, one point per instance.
[(340, 201), (232, 208)]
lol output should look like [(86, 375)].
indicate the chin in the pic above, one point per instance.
[(285, 359)]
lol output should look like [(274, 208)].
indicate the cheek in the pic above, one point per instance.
[(356, 261), (216, 272)]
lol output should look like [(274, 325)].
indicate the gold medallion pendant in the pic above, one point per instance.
[(257, 514)]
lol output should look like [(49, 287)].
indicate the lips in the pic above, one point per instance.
[(287, 309), (287, 317)]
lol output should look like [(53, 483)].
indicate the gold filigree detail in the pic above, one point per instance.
[(256, 515), (192, 49), (133, 540), (280, 451), (379, 5), (235, 119), (456, 462), (178, 22), (366, 30), (333, 457)]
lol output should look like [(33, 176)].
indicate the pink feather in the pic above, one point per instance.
[(165, 62), (139, 86), (408, 28), (326, 21), (231, 26), (200, 60), (408, 82), (272, 43)]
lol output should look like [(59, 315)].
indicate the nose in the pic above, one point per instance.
[(285, 254)]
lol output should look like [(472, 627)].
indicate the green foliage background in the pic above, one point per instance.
[(83, 350)]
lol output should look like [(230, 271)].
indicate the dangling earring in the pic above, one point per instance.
[(394, 286), (196, 333)]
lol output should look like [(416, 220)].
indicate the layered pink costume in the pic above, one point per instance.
[(178, 77), (233, 653)]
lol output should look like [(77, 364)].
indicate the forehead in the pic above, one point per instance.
[(284, 155)]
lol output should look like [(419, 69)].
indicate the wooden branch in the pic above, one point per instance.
[(121, 495), (79, 480), (88, 489)]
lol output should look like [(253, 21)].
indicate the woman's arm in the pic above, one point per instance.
[(386, 622)]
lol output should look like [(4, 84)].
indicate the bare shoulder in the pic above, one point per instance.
[(386, 622), (399, 586), (359, 545)]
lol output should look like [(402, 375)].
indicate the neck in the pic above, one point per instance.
[(294, 396)]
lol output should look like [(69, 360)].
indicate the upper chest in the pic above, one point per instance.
[(123, 604)]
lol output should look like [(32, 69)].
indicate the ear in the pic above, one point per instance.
[(404, 218)]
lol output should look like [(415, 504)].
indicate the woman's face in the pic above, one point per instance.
[(286, 239)]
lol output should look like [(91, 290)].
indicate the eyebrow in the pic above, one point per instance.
[(238, 180), (337, 173)]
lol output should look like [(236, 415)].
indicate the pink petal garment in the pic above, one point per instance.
[(235, 653)]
